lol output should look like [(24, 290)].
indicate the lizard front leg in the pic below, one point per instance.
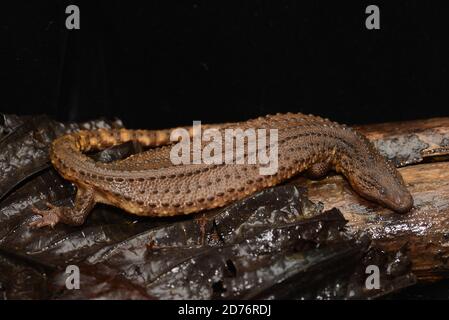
[(76, 215)]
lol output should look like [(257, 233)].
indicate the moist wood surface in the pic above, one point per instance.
[(424, 232)]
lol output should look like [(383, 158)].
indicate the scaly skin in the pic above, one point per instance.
[(148, 184)]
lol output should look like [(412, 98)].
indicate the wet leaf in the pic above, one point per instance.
[(276, 244)]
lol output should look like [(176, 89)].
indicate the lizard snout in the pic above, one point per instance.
[(402, 202)]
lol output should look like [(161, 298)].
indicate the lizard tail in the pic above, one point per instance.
[(67, 152), (89, 140), (102, 138)]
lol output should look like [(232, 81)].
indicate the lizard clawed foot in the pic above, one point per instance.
[(49, 217)]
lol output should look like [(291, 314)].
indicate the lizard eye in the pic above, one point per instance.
[(382, 191)]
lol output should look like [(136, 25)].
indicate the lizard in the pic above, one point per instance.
[(148, 184)]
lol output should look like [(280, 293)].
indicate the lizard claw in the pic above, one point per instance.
[(50, 205), (49, 217)]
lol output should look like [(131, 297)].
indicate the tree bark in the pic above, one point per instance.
[(422, 148)]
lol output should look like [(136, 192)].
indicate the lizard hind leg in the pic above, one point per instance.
[(75, 216), (318, 170)]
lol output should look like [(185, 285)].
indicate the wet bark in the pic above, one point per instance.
[(423, 148), (279, 243)]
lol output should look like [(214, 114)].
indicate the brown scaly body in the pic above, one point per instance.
[(149, 184)]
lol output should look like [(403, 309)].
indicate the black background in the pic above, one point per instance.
[(159, 64)]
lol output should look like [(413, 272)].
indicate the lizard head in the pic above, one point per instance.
[(380, 182)]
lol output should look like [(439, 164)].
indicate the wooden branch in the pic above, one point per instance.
[(423, 232)]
